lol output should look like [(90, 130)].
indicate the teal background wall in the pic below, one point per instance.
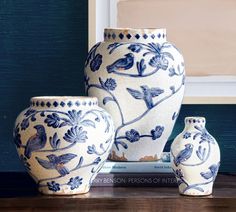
[(43, 45)]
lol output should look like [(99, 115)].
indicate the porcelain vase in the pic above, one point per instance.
[(63, 142), (139, 78), (195, 158)]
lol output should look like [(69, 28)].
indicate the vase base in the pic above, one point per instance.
[(65, 192), (196, 193), (147, 158)]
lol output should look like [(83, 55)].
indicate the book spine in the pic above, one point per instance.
[(132, 180), (110, 167)]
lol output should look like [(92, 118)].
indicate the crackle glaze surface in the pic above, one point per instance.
[(139, 78), (195, 158), (63, 142)]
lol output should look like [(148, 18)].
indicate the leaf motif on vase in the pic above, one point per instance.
[(53, 120), (54, 141), (141, 67), (107, 99), (201, 153), (76, 134)]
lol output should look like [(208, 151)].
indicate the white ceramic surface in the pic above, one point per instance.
[(195, 158), (63, 142), (138, 78)]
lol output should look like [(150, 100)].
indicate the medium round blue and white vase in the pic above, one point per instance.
[(63, 142), (195, 158), (138, 78)]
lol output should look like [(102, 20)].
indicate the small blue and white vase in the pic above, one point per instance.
[(195, 158), (63, 142), (138, 78)]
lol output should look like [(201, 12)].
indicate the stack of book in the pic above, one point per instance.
[(128, 174)]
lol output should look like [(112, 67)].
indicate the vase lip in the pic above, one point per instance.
[(195, 119), (135, 34), (63, 101), (149, 29), (63, 98)]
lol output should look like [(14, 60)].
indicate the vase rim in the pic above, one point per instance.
[(63, 101), (135, 34), (195, 119), (63, 98), (151, 29)]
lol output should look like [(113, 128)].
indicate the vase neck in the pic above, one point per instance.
[(135, 35), (59, 102), (192, 122)]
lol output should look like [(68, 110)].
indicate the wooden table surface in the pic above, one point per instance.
[(18, 193)]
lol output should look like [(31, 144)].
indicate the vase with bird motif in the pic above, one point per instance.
[(139, 78), (63, 142), (195, 158)]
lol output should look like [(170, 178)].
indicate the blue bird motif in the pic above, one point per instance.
[(36, 142), (122, 64), (57, 162), (147, 94), (213, 169), (184, 154)]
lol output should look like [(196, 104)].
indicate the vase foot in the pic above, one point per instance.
[(196, 193), (65, 191)]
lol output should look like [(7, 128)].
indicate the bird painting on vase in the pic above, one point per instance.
[(147, 94), (122, 64), (213, 169), (57, 162), (36, 142), (184, 154)]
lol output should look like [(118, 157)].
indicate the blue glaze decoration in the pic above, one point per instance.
[(158, 61), (121, 36), (25, 162), (135, 47), (203, 160), (204, 135), (75, 182), (36, 142), (201, 152), (53, 120), (147, 94), (124, 63), (136, 36), (187, 135), (148, 99), (53, 186), (17, 136), (157, 132), (141, 67), (77, 124), (96, 62), (76, 134), (213, 169), (132, 135), (57, 162), (54, 141), (208, 175), (134, 57), (110, 84), (184, 154)]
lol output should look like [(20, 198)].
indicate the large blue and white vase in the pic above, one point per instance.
[(63, 142), (139, 78), (195, 158)]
